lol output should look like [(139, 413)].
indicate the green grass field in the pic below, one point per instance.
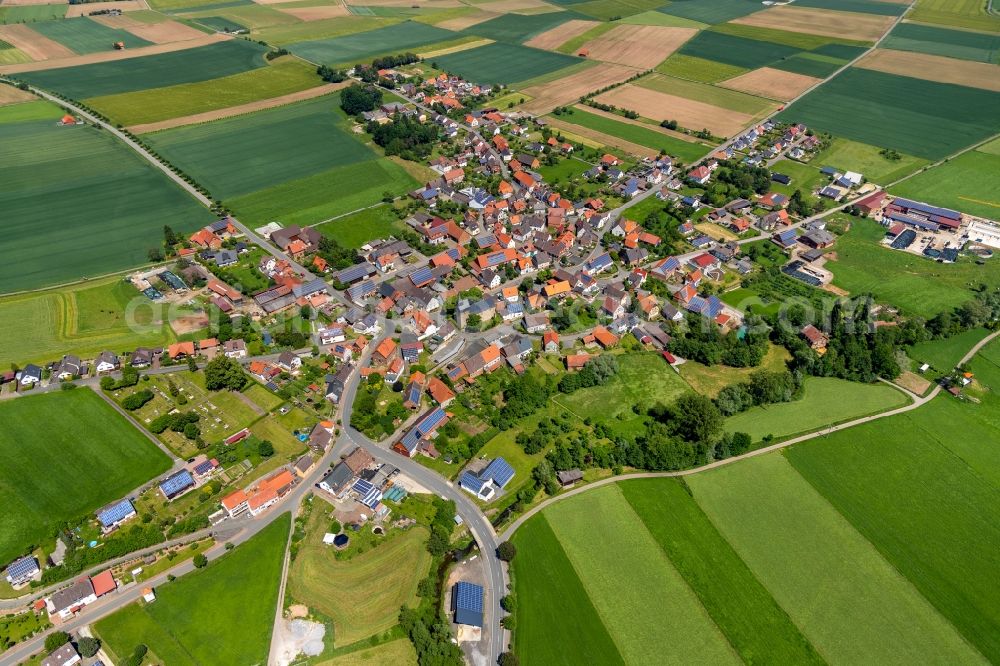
[(804, 177), (915, 284), (826, 401), (643, 379), (242, 155), (504, 63), (83, 35), (970, 14), (606, 10), (31, 13), (517, 28), (944, 354), (110, 202), (686, 151), (799, 40), (848, 155), (281, 77), (216, 614), (933, 517), (362, 46), (325, 195), (922, 118), (356, 229), (609, 578), (849, 602), (556, 619), (570, 47), (250, 16), (963, 44), (811, 64), (85, 319), (969, 183), (343, 590), (698, 69), (742, 608), (653, 17), (736, 51), (700, 92), (66, 439), (717, 11), (860, 6), (323, 29), (709, 380)]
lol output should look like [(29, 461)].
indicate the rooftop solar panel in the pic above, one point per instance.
[(22, 567), (363, 487), (176, 483), (499, 471), (422, 276), (469, 596), (115, 513)]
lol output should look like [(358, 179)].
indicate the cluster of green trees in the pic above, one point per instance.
[(708, 345), (80, 558), (366, 415), (405, 136), (982, 310), (358, 98), (223, 372), (331, 75), (183, 422), (522, 396), (336, 256), (736, 180), (138, 654), (763, 387), (130, 377), (136, 400), (597, 372)]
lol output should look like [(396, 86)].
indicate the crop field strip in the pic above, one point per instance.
[(608, 575), (352, 48), (923, 118), (83, 35), (934, 68), (67, 439), (31, 13), (969, 183), (280, 77), (505, 63), (717, 11), (698, 69), (648, 136), (217, 614), (969, 14), (165, 69), (842, 24), (112, 203), (962, 44), (640, 46), (688, 113), (848, 601), (518, 28), (605, 10), (716, 96)]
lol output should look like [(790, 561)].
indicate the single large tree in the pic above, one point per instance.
[(223, 372)]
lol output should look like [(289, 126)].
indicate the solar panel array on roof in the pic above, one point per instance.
[(421, 276), (413, 393), (470, 481), (115, 513), (204, 467), (904, 240), (177, 483), (172, 280), (430, 421), (355, 273), (499, 471), (467, 602), (22, 569), (361, 290), (362, 487), (928, 209)]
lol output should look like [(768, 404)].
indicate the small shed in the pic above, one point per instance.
[(569, 477)]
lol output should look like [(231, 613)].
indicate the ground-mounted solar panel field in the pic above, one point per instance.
[(77, 202), (283, 162), (61, 440), (874, 543)]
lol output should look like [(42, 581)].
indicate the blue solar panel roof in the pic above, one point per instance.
[(176, 483), (430, 421), (422, 276), (355, 272), (115, 513), (500, 471), (469, 596), (413, 393), (363, 487), (471, 482), (22, 567)]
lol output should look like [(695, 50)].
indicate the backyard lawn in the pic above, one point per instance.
[(356, 229)]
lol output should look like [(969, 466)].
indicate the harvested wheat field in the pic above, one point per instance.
[(688, 113), (158, 33), (467, 21), (32, 44), (640, 46), (547, 96), (771, 83), (934, 68), (559, 35), (508, 6), (600, 138), (315, 13), (847, 25), (87, 8), (12, 95), (240, 109), (107, 56)]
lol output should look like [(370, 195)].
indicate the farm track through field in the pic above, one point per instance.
[(918, 402)]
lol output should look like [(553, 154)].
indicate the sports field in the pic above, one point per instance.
[(650, 137), (970, 14), (363, 594), (83, 35), (110, 204), (154, 71), (969, 183), (921, 118), (85, 319), (504, 63), (281, 77), (218, 614), (847, 155), (826, 401), (915, 284), (361, 46), (60, 440), (962, 44)]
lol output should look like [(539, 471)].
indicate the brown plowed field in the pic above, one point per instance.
[(315, 13), (124, 5), (12, 95), (771, 83), (239, 110), (640, 46), (934, 68), (105, 56), (687, 112), (559, 35), (32, 44), (158, 33), (849, 25), (548, 96)]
